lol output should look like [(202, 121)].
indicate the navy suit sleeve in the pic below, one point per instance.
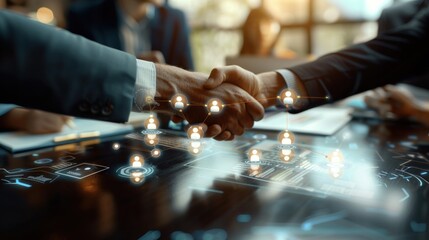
[(51, 69), (386, 59)]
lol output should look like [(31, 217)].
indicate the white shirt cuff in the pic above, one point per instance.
[(289, 77), (145, 88)]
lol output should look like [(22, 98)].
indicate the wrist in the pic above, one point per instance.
[(271, 83), (172, 81)]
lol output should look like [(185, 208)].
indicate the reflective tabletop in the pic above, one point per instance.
[(368, 181)]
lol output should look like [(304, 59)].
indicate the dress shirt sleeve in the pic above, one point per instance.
[(145, 85), (291, 80), (5, 108)]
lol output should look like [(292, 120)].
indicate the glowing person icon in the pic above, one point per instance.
[(286, 140), (214, 108), (286, 155), (336, 158), (195, 135), (288, 100), (179, 103), (195, 144), (151, 124), (254, 156), (137, 162)]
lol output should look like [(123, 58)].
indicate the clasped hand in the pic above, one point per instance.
[(241, 92)]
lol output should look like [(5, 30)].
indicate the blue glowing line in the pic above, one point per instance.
[(308, 225), (206, 189), (406, 195), (424, 173), (22, 184)]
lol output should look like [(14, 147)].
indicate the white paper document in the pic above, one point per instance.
[(85, 128), (317, 121)]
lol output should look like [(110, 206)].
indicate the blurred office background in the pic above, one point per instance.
[(308, 27)]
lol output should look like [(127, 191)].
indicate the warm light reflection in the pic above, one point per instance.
[(116, 146), (286, 155), (151, 139), (137, 177), (254, 155), (45, 15), (156, 152)]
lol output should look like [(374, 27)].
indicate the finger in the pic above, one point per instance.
[(223, 136), (238, 129), (217, 77), (246, 121), (213, 130), (255, 109), (234, 75), (231, 138)]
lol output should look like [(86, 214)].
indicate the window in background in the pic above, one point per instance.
[(330, 38), (309, 27)]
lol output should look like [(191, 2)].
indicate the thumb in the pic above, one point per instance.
[(216, 78)]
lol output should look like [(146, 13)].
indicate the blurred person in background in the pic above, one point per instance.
[(147, 29), (392, 101), (260, 33)]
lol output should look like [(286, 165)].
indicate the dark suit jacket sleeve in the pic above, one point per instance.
[(385, 59), (397, 15), (48, 68)]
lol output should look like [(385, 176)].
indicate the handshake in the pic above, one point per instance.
[(241, 95)]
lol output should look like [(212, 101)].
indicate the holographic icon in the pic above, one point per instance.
[(214, 106), (195, 147), (196, 144), (335, 171), (179, 102), (286, 137), (137, 177), (151, 123), (336, 163), (151, 139), (286, 155), (288, 98), (155, 153), (116, 146), (195, 132), (255, 168), (336, 157), (254, 155), (137, 161), (149, 99)]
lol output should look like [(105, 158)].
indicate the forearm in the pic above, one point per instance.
[(271, 85)]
